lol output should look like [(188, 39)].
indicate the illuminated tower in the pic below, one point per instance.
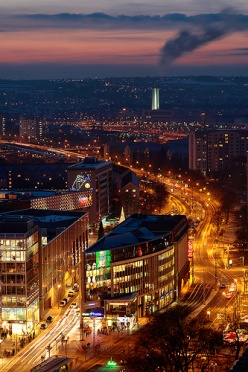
[(155, 99)]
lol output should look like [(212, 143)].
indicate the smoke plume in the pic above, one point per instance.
[(199, 34)]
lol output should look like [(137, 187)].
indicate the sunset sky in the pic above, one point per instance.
[(104, 38)]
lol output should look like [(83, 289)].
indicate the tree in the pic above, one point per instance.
[(100, 231), (174, 342), (242, 226), (153, 195)]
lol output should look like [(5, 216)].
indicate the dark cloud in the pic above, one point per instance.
[(102, 20), (237, 52), (201, 32)]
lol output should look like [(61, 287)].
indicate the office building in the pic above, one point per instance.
[(95, 176), (19, 252), (41, 256), (138, 268)]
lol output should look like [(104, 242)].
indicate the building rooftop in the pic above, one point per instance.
[(136, 229), (90, 164), (53, 221)]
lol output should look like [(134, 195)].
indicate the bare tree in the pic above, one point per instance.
[(174, 342)]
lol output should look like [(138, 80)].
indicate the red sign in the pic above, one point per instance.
[(190, 248)]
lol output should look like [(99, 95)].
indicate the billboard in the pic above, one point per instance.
[(103, 259)]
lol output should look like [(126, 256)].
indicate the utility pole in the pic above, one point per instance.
[(204, 290)]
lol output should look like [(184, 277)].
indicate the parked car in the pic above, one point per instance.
[(43, 326), (74, 305), (62, 303), (65, 299), (49, 319), (71, 294), (75, 287)]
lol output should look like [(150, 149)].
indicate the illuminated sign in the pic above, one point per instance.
[(119, 303), (111, 363), (190, 248), (13, 314), (92, 314), (85, 200), (80, 181), (103, 259)]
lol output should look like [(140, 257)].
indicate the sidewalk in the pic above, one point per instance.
[(11, 344)]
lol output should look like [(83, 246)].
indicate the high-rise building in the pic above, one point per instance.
[(155, 99), (2, 126), (31, 128), (213, 150), (156, 114)]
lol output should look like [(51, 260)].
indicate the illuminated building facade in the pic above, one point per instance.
[(31, 128), (155, 99), (95, 176), (65, 201), (41, 254), (19, 245), (2, 126), (139, 267)]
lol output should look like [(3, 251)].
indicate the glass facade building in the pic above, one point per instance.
[(19, 244)]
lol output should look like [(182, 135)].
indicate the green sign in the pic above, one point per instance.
[(103, 259), (111, 363)]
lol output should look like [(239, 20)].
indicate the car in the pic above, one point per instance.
[(76, 287), (74, 305), (71, 294), (65, 299), (43, 326), (62, 303), (49, 319), (223, 285)]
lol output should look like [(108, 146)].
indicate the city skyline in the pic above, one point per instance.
[(74, 40)]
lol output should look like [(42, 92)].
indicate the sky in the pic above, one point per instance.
[(55, 39)]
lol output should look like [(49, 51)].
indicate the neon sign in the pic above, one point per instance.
[(81, 181), (92, 314)]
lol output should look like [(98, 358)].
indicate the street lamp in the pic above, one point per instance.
[(208, 313), (59, 286), (48, 349), (245, 282)]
